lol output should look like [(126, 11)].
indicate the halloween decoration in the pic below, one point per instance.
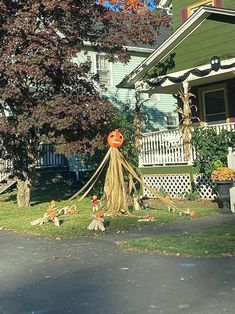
[(115, 139), (186, 115), (98, 222), (136, 203), (188, 212), (94, 203), (147, 218), (117, 190), (215, 64), (55, 214)]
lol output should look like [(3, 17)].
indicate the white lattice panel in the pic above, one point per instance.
[(204, 186), (173, 185)]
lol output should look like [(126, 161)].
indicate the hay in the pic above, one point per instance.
[(116, 190)]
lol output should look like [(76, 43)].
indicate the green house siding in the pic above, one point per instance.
[(119, 71), (179, 5), (212, 38), (156, 109)]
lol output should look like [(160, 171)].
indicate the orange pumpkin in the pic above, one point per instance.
[(99, 215), (115, 138), (192, 214)]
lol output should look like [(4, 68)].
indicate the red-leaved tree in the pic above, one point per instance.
[(44, 96)]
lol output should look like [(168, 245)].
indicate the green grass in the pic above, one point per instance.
[(214, 241), (18, 219)]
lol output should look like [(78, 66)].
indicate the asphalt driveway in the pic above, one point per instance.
[(42, 275)]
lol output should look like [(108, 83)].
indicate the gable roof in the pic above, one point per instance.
[(165, 3), (190, 25)]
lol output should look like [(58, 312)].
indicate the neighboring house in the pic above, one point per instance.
[(161, 116), (159, 110), (199, 56), (166, 5)]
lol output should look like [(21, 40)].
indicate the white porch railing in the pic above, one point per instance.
[(231, 158), (166, 147), (6, 169)]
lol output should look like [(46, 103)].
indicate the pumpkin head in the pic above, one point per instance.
[(115, 138)]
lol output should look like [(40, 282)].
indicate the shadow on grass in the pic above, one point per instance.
[(43, 193), (53, 191)]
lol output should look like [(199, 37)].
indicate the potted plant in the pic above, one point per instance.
[(224, 178)]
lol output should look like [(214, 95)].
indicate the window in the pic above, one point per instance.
[(192, 9), (156, 97), (214, 104), (103, 68), (172, 120)]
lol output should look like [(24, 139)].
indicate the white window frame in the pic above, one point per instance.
[(110, 68), (209, 89), (155, 96)]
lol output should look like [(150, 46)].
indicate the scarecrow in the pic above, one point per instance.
[(119, 185)]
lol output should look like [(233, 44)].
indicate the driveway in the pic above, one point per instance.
[(84, 276)]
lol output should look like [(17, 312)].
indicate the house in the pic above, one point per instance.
[(199, 56), (110, 74), (161, 117)]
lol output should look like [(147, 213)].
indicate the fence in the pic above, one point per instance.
[(6, 169), (166, 147), (50, 158)]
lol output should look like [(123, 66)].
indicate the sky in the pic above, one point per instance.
[(151, 4)]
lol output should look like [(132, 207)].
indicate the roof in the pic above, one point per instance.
[(165, 3), (174, 40), (164, 33)]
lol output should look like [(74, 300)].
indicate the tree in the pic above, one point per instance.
[(45, 96)]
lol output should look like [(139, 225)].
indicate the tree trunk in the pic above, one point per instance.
[(23, 193)]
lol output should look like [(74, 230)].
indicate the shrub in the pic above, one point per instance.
[(211, 148), (193, 196)]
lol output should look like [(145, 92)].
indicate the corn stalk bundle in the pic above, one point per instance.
[(116, 190), (186, 115)]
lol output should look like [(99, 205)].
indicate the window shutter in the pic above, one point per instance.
[(184, 15), (219, 3)]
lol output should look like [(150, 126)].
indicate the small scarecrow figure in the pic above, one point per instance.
[(94, 203), (98, 222)]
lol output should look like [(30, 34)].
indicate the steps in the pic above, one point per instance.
[(7, 184)]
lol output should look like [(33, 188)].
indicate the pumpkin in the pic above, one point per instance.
[(99, 215), (192, 214), (115, 138)]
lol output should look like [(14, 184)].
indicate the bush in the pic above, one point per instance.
[(211, 148), (193, 196)]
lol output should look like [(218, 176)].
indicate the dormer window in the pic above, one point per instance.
[(193, 8)]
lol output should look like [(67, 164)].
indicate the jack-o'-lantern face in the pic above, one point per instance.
[(115, 139)]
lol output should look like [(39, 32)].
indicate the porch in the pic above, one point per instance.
[(166, 147)]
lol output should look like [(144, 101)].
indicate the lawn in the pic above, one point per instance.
[(214, 241), (18, 219)]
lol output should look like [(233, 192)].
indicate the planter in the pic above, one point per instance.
[(223, 198)]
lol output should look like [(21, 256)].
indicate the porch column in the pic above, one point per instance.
[(186, 131), (185, 87)]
